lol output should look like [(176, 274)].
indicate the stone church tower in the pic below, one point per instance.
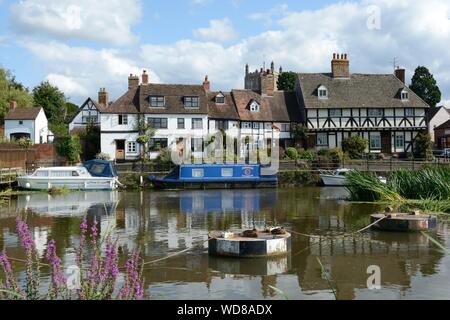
[(264, 81)]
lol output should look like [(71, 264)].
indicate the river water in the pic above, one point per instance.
[(162, 223)]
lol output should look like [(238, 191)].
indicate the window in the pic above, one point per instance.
[(89, 119), (180, 123), (285, 127), (335, 112), (268, 126), (399, 141), (254, 106), (197, 144), (157, 123), (197, 123), (191, 102), (322, 92), (220, 99), (131, 147), (41, 174), (61, 173), (375, 113), (75, 174), (256, 125), (156, 144), (246, 125), (123, 119), (20, 122), (221, 125), (198, 173), (405, 95), (375, 141), (409, 112), (322, 139), (227, 172), (157, 102)]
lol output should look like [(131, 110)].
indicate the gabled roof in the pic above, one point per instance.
[(226, 111), (23, 113), (137, 100), (445, 125), (359, 91), (433, 111), (95, 103), (282, 106)]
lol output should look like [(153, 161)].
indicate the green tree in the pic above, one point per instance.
[(424, 85), (69, 147), (354, 146), (423, 146), (145, 133), (286, 81), (300, 134), (52, 100), (70, 110), (10, 90)]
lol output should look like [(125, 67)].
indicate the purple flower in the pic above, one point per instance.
[(94, 228), (83, 226), (58, 277)]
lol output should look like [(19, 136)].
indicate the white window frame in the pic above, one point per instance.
[(220, 96), (375, 112), (409, 112), (335, 112), (397, 145), (323, 142), (322, 93), (131, 147), (227, 172), (124, 119), (375, 146), (246, 125), (256, 126), (255, 107), (198, 173), (404, 95)]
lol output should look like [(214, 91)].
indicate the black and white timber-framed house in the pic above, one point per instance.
[(378, 107)]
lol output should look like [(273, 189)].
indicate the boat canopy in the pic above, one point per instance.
[(100, 168)]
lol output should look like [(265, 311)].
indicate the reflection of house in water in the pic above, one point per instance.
[(399, 256)]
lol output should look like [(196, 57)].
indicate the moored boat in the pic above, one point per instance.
[(214, 176), (92, 175), (338, 177)]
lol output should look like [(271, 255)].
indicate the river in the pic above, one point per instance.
[(162, 223)]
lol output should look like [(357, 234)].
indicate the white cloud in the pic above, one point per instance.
[(267, 17), (109, 21), (415, 32), (70, 86), (218, 31)]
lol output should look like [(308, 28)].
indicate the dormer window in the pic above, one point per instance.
[(191, 102), (157, 101), (220, 99), (322, 92), (254, 106), (404, 95)]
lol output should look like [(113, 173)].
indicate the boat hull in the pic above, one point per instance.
[(332, 180), (176, 184), (35, 183)]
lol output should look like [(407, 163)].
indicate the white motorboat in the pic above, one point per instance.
[(92, 175), (338, 177)]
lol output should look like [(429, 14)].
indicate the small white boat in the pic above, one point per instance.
[(92, 175), (339, 177)]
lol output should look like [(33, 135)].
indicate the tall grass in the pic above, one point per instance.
[(426, 189)]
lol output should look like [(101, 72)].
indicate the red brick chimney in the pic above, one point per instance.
[(206, 84), (400, 74), (103, 98), (13, 105), (340, 66), (144, 77)]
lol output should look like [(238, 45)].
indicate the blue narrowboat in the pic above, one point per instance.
[(215, 176)]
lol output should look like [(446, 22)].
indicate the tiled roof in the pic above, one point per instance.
[(222, 111), (128, 103), (359, 91), (445, 125), (282, 106), (23, 114)]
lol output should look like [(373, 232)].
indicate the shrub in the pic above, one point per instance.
[(423, 146), (69, 147), (309, 155), (102, 156), (292, 153), (354, 146)]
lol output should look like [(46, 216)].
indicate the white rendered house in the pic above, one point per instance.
[(27, 123)]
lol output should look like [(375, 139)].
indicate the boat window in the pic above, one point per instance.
[(198, 173), (75, 174), (342, 173), (41, 173), (227, 172), (61, 173), (97, 168)]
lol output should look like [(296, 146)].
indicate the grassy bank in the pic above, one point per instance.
[(427, 189)]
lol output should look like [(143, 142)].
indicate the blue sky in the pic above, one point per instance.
[(82, 45)]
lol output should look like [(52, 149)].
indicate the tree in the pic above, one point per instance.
[(423, 146), (70, 110), (354, 146), (145, 133), (286, 81), (300, 134), (424, 85), (10, 90), (69, 147), (52, 100)]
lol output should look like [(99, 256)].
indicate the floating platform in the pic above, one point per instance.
[(404, 222), (250, 243)]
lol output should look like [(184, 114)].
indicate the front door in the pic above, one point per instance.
[(120, 149), (386, 142)]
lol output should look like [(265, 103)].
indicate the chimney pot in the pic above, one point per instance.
[(144, 77), (400, 73), (103, 98), (334, 56), (340, 67), (13, 104), (206, 84), (133, 81)]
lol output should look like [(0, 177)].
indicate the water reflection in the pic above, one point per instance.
[(160, 223)]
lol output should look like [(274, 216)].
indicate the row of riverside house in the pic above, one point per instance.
[(333, 106)]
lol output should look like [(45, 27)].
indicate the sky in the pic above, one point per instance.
[(83, 45)]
